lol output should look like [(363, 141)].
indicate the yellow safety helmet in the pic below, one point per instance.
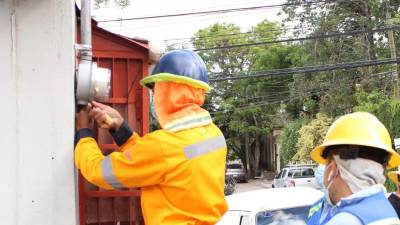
[(394, 176), (358, 129)]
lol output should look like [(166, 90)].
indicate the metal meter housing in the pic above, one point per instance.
[(93, 83)]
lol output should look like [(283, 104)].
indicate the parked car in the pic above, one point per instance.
[(277, 206), (296, 176), (237, 171)]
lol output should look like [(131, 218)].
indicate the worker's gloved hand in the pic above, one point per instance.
[(82, 119), (99, 112)]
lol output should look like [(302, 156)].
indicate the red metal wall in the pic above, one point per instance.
[(128, 61)]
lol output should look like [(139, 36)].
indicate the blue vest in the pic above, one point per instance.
[(368, 209)]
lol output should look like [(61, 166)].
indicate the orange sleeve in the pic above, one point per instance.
[(140, 163), (129, 143), (88, 157)]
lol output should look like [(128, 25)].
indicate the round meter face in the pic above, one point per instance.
[(101, 83)]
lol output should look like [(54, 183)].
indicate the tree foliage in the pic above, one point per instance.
[(310, 136), (249, 109), (246, 110), (332, 17), (289, 138), (385, 108), (120, 3)]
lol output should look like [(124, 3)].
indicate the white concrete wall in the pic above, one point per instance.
[(37, 112)]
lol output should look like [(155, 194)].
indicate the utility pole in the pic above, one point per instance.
[(393, 53)]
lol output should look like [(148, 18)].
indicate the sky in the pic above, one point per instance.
[(158, 30)]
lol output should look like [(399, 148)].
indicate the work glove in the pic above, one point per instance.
[(99, 112)]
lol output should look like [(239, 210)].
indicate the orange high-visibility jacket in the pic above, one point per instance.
[(181, 174)]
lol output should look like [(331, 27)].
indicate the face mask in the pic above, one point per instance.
[(319, 176), (331, 178)]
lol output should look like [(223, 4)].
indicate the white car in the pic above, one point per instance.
[(278, 206), (296, 176)]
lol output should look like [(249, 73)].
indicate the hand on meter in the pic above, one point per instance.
[(100, 112), (82, 119)]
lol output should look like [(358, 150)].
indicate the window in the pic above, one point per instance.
[(285, 173), (296, 174), (281, 174), (234, 166), (296, 216), (307, 172)]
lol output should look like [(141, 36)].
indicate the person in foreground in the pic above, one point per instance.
[(181, 167), (394, 198), (356, 150)]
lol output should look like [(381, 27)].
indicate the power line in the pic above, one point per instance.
[(168, 22), (315, 91), (264, 103), (309, 69), (211, 11), (271, 96), (207, 37), (338, 34), (149, 25)]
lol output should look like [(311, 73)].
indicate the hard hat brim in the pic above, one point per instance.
[(393, 176), (316, 153), (168, 77)]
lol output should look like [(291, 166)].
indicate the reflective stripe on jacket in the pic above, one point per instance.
[(181, 174), (373, 209)]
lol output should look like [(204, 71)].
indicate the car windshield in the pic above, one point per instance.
[(296, 174), (280, 175), (307, 172), (234, 166), (291, 216)]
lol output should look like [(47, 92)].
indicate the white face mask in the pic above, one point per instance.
[(360, 173), (331, 178)]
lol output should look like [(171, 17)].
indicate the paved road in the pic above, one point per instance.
[(253, 185)]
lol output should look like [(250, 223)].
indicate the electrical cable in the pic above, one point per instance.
[(211, 11), (308, 69), (168, 22), (338, 34), (235, 34), (316, 91)]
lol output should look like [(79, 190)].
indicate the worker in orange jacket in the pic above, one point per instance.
[(180, 168)]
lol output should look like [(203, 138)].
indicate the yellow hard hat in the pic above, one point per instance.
[(359, 129), (394, 176)]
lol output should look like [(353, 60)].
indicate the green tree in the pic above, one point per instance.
[(288, 140), (385, 108), (120, 3), (315, 91), (245, 109), (311, 135)]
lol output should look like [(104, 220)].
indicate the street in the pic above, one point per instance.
[(253, 185)]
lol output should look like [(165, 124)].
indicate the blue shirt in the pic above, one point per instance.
[(347, 218)]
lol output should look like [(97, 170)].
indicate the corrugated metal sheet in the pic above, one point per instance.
[(128, 62)]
